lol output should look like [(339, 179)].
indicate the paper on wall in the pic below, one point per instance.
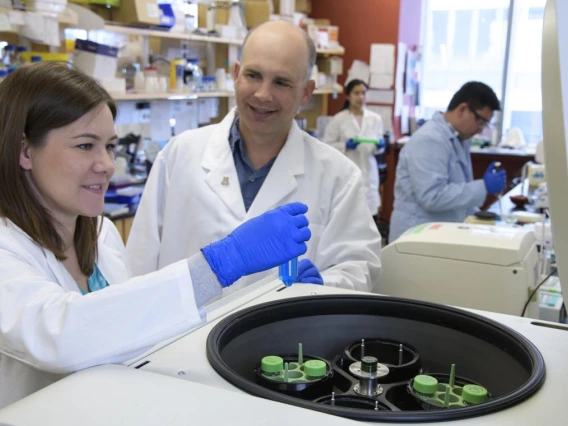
[(359, 71), (204, 111), (399, 80), (382, 59), (404, 120), (381, 81), (386, 114), (126, 113), (380, 96), (160, 129), (184, 112)]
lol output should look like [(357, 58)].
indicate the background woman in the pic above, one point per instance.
[(356, 121)]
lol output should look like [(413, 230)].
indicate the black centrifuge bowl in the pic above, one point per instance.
[(487, 352)]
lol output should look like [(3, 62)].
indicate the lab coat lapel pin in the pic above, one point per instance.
[(225, 180)]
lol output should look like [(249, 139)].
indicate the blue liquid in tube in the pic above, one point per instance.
[(288, 272)]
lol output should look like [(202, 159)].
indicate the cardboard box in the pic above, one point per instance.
[(324, 36), (330, 65), (221, 14), (286, 9), (97, 60), (138, 12), (304, 6), (113, 3), (256, 12), (322, 22)]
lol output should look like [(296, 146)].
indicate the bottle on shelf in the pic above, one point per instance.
[(19, 61), (8, 57), (193, 75)]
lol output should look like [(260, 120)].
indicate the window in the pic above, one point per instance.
[(523, 101), (466, 40), (463, 40)]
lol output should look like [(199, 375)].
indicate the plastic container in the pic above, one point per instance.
[(19, 58), (209, 84), (220, 77), (9, 55), (288, 272), (193, 75), (177, 67)]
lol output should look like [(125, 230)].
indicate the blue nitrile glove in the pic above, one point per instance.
[(259, 244), (308, 273), (351, 144), (495, 181)]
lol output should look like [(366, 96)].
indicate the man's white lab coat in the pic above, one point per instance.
[(193, 198)]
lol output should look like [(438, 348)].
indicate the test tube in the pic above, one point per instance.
[(288, 272)]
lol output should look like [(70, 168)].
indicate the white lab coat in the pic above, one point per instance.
[(49, 329), (344, 126), (193, 198)]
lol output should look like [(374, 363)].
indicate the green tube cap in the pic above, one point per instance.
[(315, 368), (474, 394), (272, 364), (425, 384)]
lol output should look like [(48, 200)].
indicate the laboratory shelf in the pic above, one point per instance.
[(169, 96), (169, 34), (19, 16), (196, 37), (182, 96)]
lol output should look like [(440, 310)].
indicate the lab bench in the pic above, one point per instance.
[(511, 159), (509, 207)]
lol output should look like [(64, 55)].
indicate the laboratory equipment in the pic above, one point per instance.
[(497, 168), (175, 382), (288, 272), (550, 301), (469, 265)]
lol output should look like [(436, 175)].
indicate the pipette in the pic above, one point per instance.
[(498, 167), (288, 272)]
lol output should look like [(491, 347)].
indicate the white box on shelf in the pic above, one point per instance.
[(97, 60), (115, 86)]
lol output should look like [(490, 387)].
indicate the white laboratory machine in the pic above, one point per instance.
[(474, 266), (175, 383)]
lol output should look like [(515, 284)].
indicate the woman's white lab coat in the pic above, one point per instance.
[(48, 328), (193, 198), (344, 126)]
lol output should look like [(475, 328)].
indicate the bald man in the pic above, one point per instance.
[(206, 182)]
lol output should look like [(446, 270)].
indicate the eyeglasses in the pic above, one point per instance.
[(482, 121)]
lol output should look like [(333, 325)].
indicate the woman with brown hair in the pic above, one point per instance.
[(67, 300)]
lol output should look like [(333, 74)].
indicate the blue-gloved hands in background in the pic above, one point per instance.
[(308, 273), (495, 181), (259, 244), (351, 144)]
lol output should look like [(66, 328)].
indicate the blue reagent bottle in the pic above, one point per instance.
[(288, 272)]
